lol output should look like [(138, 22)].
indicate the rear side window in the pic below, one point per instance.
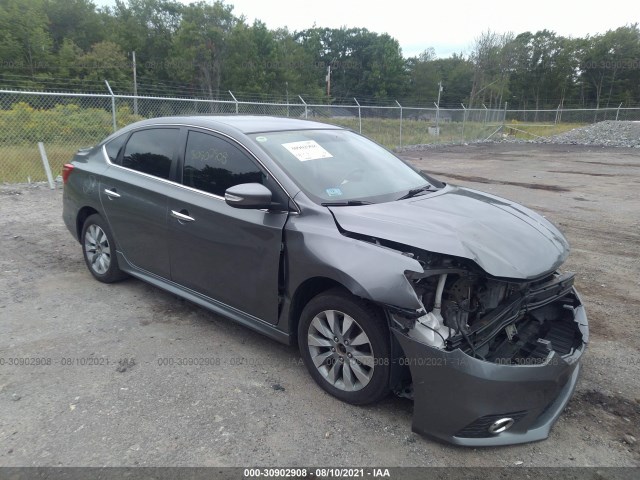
[(114, 146), (151, 151), (213, 164)]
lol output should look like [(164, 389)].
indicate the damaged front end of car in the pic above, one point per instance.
[(493, 361), (494, 348)]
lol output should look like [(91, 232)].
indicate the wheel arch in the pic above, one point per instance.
[(303, 294), (84, 213), (313, 287)]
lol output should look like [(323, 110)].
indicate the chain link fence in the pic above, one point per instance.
[(65, 122)]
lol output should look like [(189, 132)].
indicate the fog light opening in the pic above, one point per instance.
[(501, 425)]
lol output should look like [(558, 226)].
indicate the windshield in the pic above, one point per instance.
[(339, 166)]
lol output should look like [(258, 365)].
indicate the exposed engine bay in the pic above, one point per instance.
[(497, 320)]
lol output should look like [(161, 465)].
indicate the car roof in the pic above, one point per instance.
[(240, 123)]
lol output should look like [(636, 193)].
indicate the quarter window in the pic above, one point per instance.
[(151, 151), (213, 164), (114, 146)]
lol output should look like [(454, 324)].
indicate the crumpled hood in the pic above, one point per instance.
[(505, 239)]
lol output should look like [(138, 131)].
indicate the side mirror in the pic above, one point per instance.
[(248, 196)]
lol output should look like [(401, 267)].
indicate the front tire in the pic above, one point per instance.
[(99, 250), (344, 343)]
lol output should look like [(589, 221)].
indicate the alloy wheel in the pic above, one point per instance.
[(340, 350), (97, 249)]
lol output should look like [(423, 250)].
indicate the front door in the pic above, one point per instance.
[(228, 254)]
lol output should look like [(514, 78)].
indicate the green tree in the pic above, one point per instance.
[(25, 42), (543, 69), (492, 58), (609, 66), (363, 63), (106, 61), (149, 28), (200, 45), (68, 60), (76, 20), (425, 71), (423, 77), (250, 64), (297, 69)]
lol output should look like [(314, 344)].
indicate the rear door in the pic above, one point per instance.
[(227, 254), (133, 195)]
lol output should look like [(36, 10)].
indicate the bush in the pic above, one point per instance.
[(69, 123)]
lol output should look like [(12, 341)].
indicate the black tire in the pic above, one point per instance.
[(353, 371), (99, 250)]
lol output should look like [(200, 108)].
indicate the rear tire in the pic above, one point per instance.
[(344, 343), (99, 250)]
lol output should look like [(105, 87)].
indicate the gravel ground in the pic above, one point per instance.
[(109, 398)]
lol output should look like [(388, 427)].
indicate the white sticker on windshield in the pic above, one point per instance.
[(307, 150)]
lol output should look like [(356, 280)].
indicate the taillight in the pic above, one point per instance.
[(67, 168)]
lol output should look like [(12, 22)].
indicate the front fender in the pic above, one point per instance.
[(316, 248)]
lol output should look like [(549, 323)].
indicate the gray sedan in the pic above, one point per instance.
[(388, 279)]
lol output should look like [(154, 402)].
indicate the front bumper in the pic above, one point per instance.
[(457, 397)]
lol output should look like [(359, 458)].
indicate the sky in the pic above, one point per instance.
[(448, 28)]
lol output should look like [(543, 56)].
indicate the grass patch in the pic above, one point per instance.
[(19, 163)]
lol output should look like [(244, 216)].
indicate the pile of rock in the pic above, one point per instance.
[(609, 133)]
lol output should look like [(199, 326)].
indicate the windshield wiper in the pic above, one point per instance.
[(346, 203), (417, 191)]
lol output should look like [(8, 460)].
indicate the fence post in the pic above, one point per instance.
[(618, 111), (398, 103), (504, 116), (464, 120), (47, 168), (135, 85), (557, 113), (359, 114), (486, 113), (437, 119), (113, 106), (305, 106), (235, 100)]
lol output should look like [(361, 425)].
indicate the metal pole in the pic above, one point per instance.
[(113, 106), (235, 100), (438, 109), (398, 103), (305, 106), (504, 116), (359, 113), (287, 89), (135, 86), (618, 111), (464, 120), (328, 79), (47, 168)]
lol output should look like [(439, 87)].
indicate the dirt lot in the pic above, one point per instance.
[(106, 396)]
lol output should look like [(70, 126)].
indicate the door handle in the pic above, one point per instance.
[(181, 216), (111, 193)]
